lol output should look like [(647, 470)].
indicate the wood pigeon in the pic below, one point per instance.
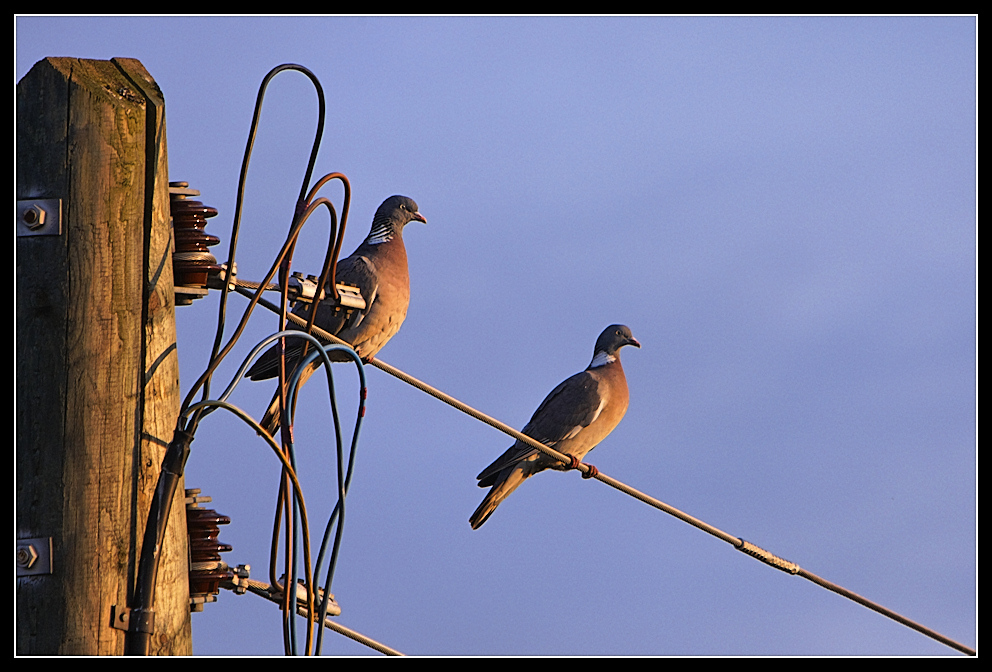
[(576, 416), (379, 269)]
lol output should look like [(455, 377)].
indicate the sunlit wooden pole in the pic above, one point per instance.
[(97, 376)]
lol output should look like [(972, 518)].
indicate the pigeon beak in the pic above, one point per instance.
[(419, 217), (633, 341)]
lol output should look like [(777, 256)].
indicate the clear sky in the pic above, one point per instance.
[(783, 210)]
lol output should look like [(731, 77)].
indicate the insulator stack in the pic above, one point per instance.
[(206, 569), (192, 263)]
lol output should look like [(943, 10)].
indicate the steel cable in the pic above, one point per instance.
[(738, 543)]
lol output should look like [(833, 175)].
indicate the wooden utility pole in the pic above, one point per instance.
[(97, 375)]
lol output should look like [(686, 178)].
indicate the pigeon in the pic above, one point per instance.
[(573, 419), (378, 268)]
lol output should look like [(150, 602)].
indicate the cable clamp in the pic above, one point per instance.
[(304, 288)]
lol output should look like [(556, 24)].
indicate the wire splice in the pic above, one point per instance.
[(768, 558)]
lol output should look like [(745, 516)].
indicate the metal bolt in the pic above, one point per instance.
[(242, 573), (34, 217), (26, 556)]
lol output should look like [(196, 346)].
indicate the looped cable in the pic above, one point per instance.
[(218, 353), (188, 421)]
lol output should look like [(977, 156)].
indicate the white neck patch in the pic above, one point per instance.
[(602, 359), (380, 235)]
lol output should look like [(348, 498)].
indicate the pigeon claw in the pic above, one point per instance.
[(574, 464)]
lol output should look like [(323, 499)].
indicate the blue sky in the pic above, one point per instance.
[(782, 209)]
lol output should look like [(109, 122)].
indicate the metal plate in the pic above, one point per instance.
[(34, 556), (39, 217)]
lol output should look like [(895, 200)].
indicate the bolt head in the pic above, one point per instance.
[(34, 217), (26, 556)]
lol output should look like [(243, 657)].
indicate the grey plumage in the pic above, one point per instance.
[(572, 419), (379, 269)]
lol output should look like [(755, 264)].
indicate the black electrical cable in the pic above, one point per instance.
[(141, 623)]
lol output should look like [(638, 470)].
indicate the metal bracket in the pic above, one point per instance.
[(120, 617), (34, 556), (39, 217)]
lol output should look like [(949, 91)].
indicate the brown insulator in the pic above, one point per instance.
[(192, 263), (206, 570)]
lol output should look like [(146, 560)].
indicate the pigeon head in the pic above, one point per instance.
[(613, 338), (398, 211), (394, 213)]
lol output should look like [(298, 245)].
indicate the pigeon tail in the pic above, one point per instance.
[(270, 421), (500, 491)]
